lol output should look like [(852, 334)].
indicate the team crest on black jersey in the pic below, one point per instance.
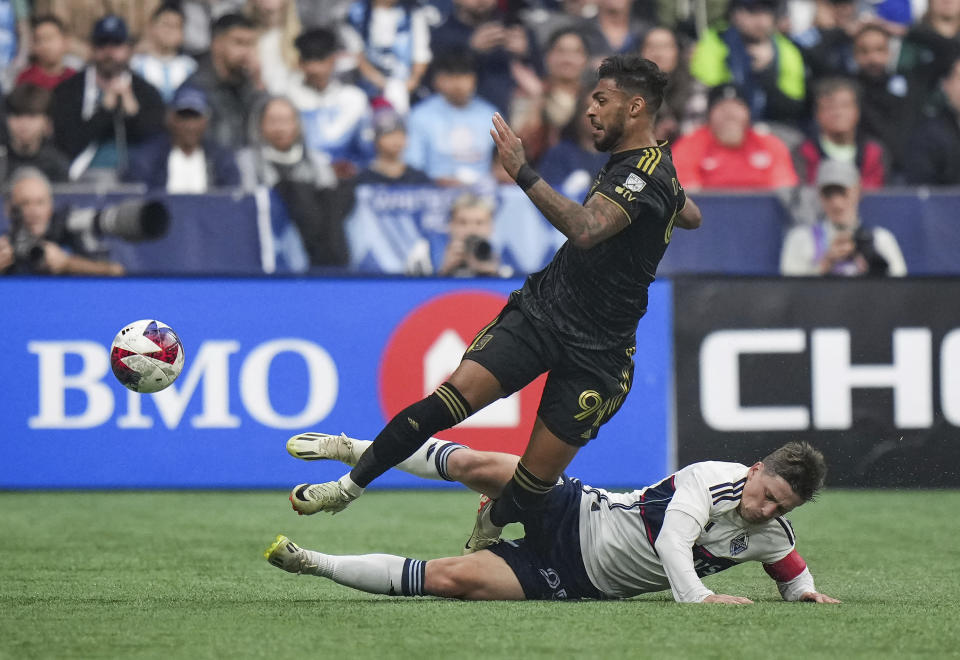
[(634, 183), (739, 544)]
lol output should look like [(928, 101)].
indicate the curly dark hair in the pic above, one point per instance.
[(636, 75), (801, 465)]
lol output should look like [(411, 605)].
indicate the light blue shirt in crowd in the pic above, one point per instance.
[(450, 142)]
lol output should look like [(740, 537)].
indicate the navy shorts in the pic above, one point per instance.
[(584, 389), (547, 561)]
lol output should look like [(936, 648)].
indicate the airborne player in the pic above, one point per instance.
[(576, 319)]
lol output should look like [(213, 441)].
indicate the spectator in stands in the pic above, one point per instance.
[(278, 25), (336, 116), (14, 37), (684, 98), (731, 153), (28, 134), (576, 14), (827, 45), (539, 114), (102, 113), (449, 133), (184, 160), (501, 45), (933, 157), (890, 102), (48, 46), (302, 180), (571, 165), (838, 244), (38, 241), (766, 65), (159, 61), (390, 140), (225, 77), (468, 251), (619, 27), (837, 135), (931, 46), (396, 49)]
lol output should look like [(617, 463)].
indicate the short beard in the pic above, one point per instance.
[(611, 134)]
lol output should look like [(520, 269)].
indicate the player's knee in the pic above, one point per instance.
[(449, 577)]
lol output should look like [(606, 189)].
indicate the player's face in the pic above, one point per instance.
[(766, 496), (871, 51), (607, 113)]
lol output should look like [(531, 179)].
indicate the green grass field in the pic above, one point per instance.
[(181, 575)]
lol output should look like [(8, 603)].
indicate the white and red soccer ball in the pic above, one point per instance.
[(146, 356)]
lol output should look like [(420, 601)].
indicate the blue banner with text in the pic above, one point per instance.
[(266, 359)]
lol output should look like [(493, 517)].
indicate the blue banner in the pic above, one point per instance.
[(266, 359)]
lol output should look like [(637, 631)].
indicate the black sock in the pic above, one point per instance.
[(408, 430), (525, 493)]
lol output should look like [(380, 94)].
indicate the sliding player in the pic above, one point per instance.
[(590, 543)]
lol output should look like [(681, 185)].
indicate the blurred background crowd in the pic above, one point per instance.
[(817, 100)]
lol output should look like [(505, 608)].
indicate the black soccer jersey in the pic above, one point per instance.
[(593, 298)]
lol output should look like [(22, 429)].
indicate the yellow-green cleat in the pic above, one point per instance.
[(284, 553)]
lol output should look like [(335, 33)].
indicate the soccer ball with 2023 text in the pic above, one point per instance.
[(146, 356)]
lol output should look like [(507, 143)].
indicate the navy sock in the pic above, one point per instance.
[(525, 493), (414, 576), (408, 430)]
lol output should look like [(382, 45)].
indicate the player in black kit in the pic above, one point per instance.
[(576, 319)]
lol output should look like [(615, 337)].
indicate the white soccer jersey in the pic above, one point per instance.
[(618, 530)]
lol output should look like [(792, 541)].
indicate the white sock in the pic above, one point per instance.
[(375, 574), (428, 462)]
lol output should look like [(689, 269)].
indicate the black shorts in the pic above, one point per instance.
[(584, 388), (547, 561)]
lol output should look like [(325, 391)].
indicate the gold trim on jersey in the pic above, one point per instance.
[(650, 160), (617, 204)]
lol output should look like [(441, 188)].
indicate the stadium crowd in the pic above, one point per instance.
[(313, 97)]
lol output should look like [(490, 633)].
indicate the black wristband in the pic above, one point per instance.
[(526, 177)]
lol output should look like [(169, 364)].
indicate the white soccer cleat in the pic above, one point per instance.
[(485, 533), (284, 553), (332, 496), (322, 446)]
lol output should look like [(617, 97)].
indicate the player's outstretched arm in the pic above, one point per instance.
[(689, 216), (585, 226)]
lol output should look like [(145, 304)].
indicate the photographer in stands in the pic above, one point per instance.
[(838, 244), (69, 241), (469, 251)]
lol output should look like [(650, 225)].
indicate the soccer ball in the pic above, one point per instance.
[(146, 356)]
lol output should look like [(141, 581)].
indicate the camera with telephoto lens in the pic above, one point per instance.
[(132, 220), (28, 250), (479, 247), (877, 265)]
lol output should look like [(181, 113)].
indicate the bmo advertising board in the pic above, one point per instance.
[(266, 359)]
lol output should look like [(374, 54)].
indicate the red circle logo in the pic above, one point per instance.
[(426, 347)]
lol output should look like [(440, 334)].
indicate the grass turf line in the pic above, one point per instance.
[(178, 575)]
